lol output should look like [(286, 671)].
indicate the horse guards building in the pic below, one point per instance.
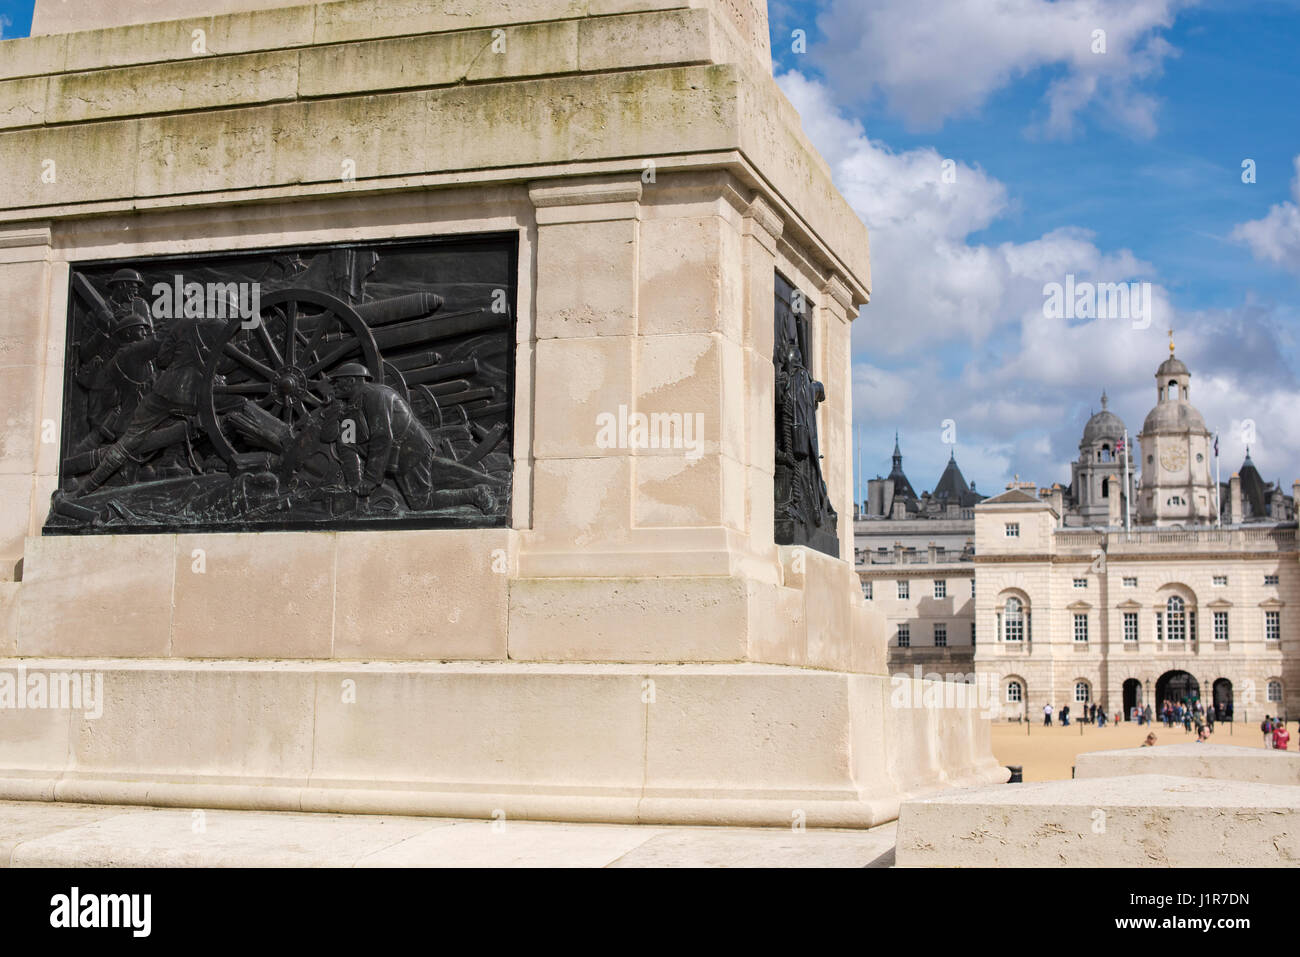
[(1128, 587)]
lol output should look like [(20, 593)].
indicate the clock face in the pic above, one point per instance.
[(1174, 458)]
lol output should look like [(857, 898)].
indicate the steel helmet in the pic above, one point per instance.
[(351, 369)]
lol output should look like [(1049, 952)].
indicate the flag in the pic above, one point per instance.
[(1216, 445), (1119, 446)]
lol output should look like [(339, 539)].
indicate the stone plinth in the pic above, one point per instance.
[(654, 181), (704, 744)]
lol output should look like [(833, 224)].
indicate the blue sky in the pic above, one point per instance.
[(1137, 177), (1117, 166)]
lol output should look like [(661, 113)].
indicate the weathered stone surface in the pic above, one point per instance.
[(253, 595), (533, 741), (41, 834), (1191, 760), (1143, 820), (422, 594), (202, 83), (110, 595), (657, 619)]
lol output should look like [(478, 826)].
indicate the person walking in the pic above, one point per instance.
[(1281, 737), (1266, 728), (1047, 716)]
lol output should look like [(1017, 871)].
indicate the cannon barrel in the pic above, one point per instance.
[(421, 331), (441, 373), (383, 311)]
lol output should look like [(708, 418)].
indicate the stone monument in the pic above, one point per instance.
[(435, 407)]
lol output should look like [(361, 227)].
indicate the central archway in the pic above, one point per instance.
[(1132, 697), (1177, 686), (1223, 700)]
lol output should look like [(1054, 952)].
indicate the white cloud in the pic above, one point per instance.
[(1276, 237), (956, 330), (948, 60)]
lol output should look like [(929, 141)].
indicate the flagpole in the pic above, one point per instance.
[(1218, 505), (857, 483), (1127, 492)]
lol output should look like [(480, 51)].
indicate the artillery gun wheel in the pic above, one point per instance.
[(281, 363)]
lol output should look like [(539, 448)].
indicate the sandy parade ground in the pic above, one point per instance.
[(1047, 754)]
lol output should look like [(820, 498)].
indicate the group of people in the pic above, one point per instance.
[(1275, 733), (1092, 714), (1190, 714)]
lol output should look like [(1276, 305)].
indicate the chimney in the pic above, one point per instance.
[(1234, 499)]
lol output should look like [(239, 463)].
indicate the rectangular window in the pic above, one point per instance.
[(1191, 625), (1270, 579), (1012, 529), (1080, 627), (1160, 626), (1272, 625), (866, 590), (972, 588), (1130, 583), (1130, 626), (1081, 583), (941, 636), (903, 590), (940, 589), (972, 634), (1220, 581), (904, 636), (1220, 626)]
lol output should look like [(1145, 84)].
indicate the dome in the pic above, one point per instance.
[(1105, 426), (1171, 367), (1101, 427), (1176, 415)]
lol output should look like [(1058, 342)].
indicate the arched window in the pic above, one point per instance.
[(1105, 488), (1013, 620), (1173, 390), (1015, 692), (1175, 619), (1081, 692), (1105, 453), (1275, 691)]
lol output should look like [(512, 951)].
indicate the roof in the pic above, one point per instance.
[(902, 487), (1174, 415), (952, 488), (1253, 494), (1104, 426), (1171, 366), (1014, 496)]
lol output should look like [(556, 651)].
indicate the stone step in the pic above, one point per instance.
[(1227, 761), (1138, 820)]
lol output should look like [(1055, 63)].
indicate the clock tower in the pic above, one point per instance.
[(1176, 487)]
